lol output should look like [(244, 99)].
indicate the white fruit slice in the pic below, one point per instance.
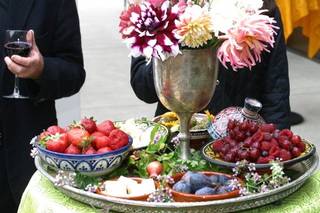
[(126, 181), (115, 188), (147, 186), (134, 189)]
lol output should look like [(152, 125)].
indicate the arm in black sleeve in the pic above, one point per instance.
[(141, 80), (63, 73), (275, 95)]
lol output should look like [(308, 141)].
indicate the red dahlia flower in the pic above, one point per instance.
[(148, 30)]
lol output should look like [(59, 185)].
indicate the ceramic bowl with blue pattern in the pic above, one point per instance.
[(92, 165)]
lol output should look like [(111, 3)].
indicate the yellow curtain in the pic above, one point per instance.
[(305, 14)]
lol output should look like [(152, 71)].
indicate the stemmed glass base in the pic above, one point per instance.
[(18, 96), (16, 91)]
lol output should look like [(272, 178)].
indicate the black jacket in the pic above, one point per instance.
[(57, 33), (268, 82)]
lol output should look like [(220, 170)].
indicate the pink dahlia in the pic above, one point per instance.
[(245, 42), (148, 30), (156, 3)]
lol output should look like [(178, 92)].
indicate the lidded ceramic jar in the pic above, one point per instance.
[(218, 128)]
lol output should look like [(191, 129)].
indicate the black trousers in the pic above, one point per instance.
[(7, 203)]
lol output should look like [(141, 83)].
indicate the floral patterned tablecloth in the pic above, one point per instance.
[(305, 14), (42, 197)]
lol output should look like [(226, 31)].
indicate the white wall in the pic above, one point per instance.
[(68, 110)]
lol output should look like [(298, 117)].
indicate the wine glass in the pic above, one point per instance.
[(16, 44)]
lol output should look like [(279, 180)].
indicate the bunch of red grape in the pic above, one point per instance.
[(257, 143)]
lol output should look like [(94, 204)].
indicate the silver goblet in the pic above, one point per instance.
[(185, 84)]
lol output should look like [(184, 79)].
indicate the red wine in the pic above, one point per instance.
[(17, 48)]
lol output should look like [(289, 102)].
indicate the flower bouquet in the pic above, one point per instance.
[(162, 28)]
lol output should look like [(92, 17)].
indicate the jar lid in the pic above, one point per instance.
[(252, 105)]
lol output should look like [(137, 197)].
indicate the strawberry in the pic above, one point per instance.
[(265, 146), (243, 155), (89, 124), (286, 132), (240, 136), (217, 145), (254, 154), (57, 143), (263, 160), (79, 137), (253, 128), (89, 150), (257, 137), (96, 134), (100, 142), (55, 129), (255, 145), (301, 146), (230, 157), (247, 142), (271, 158), (274, 151), (244, 126), (286, 144), (231, 134), (231, 124), (118, 139), (274, 142), (296, 139), (104, 150), (296, 152), (72, 149), (267, 128), (282, 138), (285, 155), (228, 140), (267, 136), (105, 127)]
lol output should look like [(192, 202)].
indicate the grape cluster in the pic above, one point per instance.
[(257, 143)]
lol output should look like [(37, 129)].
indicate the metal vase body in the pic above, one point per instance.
[(185, 84)]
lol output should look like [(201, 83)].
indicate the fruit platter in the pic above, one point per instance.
[(96, 163)]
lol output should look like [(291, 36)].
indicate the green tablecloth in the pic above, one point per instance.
[(41, 196)]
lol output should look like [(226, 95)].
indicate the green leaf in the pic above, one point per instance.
[(165, 157), (156, 146), (82, 180)]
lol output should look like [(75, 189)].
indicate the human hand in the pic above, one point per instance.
[(27, 67)]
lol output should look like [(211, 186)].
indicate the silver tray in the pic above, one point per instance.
[(302, 171)]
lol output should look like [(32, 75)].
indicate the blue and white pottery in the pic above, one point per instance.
[(93, 164)]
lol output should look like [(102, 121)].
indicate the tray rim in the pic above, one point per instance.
[(142, 204)]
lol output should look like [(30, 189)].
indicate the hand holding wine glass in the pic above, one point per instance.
[(30, 66), (23, 59)]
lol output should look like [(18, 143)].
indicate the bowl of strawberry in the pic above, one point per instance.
[(259, 144), (86, 147)]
